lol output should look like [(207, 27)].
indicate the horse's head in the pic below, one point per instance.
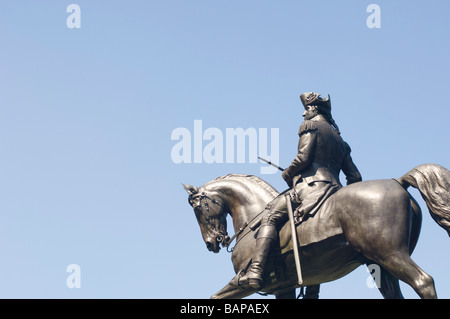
[(211, 212)]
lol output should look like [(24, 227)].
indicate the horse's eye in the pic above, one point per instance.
[(194, 202)]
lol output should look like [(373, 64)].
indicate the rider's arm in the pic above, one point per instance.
[(306, 145), (349, 168)]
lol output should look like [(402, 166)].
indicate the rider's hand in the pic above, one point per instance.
[(287, 178)]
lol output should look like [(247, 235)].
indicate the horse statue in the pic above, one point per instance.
[(369, 222)]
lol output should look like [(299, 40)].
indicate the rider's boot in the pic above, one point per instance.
[(254, 276)]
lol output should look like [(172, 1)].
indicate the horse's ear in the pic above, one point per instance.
[(190, 189)]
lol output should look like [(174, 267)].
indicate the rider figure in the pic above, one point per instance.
[(313, 177)]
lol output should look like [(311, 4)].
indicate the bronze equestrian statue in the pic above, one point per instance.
[(313, 175), (339, 228)]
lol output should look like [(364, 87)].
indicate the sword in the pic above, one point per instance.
[(293, 229), (270, 163), (294, 240)]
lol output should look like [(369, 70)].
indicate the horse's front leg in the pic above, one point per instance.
[(233, 290)]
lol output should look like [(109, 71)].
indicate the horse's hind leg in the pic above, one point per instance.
[(401, 266), (387, 284)]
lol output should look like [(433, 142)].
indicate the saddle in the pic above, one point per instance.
[(314, 222)]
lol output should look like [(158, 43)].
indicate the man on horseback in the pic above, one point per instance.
[(313, 176)]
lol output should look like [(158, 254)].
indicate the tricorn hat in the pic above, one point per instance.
[(311, 98)]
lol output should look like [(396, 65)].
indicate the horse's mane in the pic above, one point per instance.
[(252, 178)]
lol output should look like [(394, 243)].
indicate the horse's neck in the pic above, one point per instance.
[(245, 203), (241, 216)]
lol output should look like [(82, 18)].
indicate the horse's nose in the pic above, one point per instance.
[(212, 246)]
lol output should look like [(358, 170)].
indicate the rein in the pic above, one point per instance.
[(252, 225), (227, 243)]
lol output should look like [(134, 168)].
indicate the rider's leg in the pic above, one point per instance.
[(267, 234), (266, 237)]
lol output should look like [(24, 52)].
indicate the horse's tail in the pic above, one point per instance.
[(433, 183)]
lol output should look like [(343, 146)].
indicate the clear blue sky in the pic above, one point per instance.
[(86, 116)]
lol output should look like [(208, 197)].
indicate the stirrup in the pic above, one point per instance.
[(252, 279), (255, 283)]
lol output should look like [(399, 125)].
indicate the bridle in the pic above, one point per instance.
[(205, 203), (221, 235)]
